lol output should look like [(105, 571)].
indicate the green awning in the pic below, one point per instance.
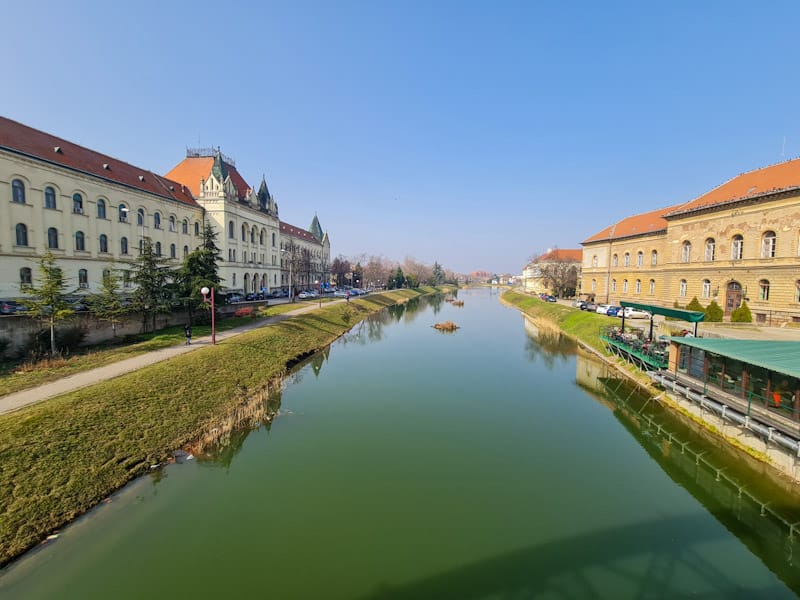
[(690, 316), (778, 356)]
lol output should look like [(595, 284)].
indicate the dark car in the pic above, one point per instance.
[(613, 311), (590, 306), (549, 298), (11, 307)]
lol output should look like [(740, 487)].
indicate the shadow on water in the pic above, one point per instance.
[(574, 568), (759, 512)]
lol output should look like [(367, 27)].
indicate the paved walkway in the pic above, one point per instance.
[(18, 400)]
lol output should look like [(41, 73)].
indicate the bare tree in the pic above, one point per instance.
[(561, 276)]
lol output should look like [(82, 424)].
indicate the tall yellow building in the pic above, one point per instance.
[(740, 241)]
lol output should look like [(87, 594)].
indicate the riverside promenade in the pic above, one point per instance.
[(23, 398)]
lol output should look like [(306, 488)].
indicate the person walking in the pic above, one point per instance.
[(187, 330)]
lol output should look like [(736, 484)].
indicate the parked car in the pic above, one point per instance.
[(78, 304), (549, 298), (233, 298), (579, 303), (11, 307), (613, 311), (590, 306), (304, 295), (602, 309), (635, 313)]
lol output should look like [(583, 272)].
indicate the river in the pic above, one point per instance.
[(497, 461)]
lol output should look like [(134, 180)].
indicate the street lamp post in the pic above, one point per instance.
[(318, 283), (291, 260), (208, 298)]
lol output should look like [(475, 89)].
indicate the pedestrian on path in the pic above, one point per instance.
[(187, 329)]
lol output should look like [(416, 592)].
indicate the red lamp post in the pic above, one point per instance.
[(210, 300)]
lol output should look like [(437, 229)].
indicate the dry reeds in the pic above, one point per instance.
[(446, 326)]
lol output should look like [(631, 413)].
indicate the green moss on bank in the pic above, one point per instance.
[(60, 457)]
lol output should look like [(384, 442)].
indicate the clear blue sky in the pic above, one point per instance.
[(472, 133)]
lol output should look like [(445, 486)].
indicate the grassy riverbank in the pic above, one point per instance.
[(60, 457)]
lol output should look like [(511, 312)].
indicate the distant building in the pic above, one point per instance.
[(555, 272)]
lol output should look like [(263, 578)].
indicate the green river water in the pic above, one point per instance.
[(493, 462)]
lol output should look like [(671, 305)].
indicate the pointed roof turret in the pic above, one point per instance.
[(263, 193), (316, 228), (219, 170)]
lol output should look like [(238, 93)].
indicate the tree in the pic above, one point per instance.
[(714, 313), (339, 268), (151, 276), (438, 274), (695, 305), (200, 269), (561, 276), (46, 302), (742, 314), (107, 305)]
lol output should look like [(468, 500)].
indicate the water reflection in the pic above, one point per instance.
[(721, 481), (547, 343)]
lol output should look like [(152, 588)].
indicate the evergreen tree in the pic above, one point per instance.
[(742, 314), (107, 305), (695, 305), (151, 276), (46, 302), (199, 269), (714, 313), (438, 274)]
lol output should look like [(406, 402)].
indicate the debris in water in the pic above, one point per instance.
[(52, 536)]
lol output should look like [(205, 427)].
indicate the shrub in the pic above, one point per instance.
[(695, 305), (4, 344), (742, 314), (245, 311), (675, 305), (68, 339), (714, 313)]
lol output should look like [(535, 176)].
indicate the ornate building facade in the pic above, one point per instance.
[(92, 212), (740, 241)]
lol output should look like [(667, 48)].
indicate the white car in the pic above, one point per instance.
[(602, 308), (635, 313)]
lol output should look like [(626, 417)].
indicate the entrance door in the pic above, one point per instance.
[(733, 297)]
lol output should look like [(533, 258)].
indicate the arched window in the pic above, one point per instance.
[(185, 251), (49, 197), (763, 290), (123, 213), (615, 261), (83, 278), (244, 232), (654, 258), (737, 244), (624, 286), (25, 277), (768, 245), (626, 260), (197, 228), (273, 239), (106, 274), (231, 227), (682, 289), (123, 246), (613, 285), (158, 248), (173, 224), (710, 249), (140, 217), (797, 291), (594, 285), (77, 203), (639, 258), (652, 287), (103, 242), (101, 208), (172, 251), (52, 237), (253, 235), (261, 237), (185, 226), (157, 220), (233, 282), (22, 234), (18, 191), (706, 288), (80, 241), (686, 251), (638, 288)]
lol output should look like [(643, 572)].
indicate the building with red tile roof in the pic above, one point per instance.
[(92, 211), (739, 242), (556, 272)]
